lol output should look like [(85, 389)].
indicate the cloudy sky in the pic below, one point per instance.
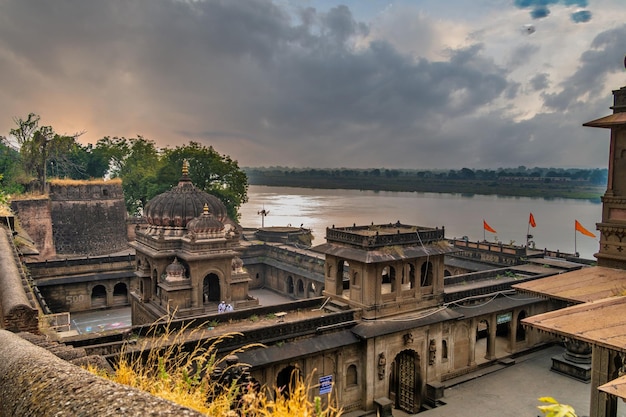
[(324, 83)]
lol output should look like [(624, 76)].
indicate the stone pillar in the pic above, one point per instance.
[(491, 340), (601, 404), (472, 342), (513, 332), (371, 375)]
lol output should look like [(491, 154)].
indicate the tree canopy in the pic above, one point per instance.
[(34, 152), (147, 171)]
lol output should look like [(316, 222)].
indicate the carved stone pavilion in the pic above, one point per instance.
[(187, 256)]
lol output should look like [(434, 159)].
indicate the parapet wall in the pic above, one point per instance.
[(34, 382), (88, 218), (17, 312), (79, 218), (34, 217)]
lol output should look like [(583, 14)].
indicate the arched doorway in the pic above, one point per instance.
[(98, 296), (290, 286), (211, 289), (405, 385), (310, 292), (120, 294), (343, 276), (287, 378), (300, 292)]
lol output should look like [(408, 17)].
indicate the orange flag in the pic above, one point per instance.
[(579, 228), (531, 220), (488, 228)]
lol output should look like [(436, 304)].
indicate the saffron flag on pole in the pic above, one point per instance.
[(488, 228), (531, 221), (579, 228)]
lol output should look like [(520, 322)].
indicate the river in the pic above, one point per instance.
[(461, 215)]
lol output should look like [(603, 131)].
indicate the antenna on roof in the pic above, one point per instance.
[(263, 213)]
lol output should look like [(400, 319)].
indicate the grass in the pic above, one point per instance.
[(67, 181), (183, 377)]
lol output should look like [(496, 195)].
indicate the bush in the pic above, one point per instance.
[(188, 379)]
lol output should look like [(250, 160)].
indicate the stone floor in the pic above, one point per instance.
[(513, 391)]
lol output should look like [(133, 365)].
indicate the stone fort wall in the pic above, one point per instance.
[(78, 218), (88, 218), (34, 217)]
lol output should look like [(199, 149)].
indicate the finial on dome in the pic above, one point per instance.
[(205, 210), (185, 168)]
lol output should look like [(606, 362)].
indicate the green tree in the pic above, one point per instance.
[(214, 173), (39, 145), (135, 161), (138, 169), (11, 173)]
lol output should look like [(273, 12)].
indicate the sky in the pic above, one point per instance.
[(416, 84)]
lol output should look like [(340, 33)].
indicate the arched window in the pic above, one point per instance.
[(426, 278), (98, 296), (388, 280), (300, 288), (290, 286), (444, 350), (287, 379), (351, 376), (408, 277), (120, 294), (356, 278)]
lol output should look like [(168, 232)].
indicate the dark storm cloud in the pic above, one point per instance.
[(522, 55), (604, 57), (540, 82), (266, 86)]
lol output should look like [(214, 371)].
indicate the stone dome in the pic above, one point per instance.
[(175, 270), (176, 207), (206, 223)]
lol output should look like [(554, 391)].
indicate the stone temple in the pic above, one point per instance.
[(187, 256)]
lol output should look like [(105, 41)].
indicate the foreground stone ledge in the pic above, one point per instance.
[(34, 382)]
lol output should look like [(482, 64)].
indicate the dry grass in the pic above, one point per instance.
[(65, 181), (185, 378)]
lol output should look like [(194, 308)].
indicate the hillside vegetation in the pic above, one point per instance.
[(521, 181)]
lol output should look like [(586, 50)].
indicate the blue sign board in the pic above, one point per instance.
[(326, 384)]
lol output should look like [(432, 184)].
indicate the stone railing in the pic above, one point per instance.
[(18, 312), (378, 235), (34, 382)]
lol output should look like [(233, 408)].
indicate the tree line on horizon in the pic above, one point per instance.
[(577, 183), (594, 176), (33, 153)]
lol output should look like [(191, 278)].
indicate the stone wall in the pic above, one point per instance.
[(34, 382), (84, 283), (88, 218), (17, 310), (34, 217)]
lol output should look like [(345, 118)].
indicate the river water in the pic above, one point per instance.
[(461, 215)]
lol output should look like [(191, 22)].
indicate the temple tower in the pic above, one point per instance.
[(187, 257), (385, 269), (613, 226)]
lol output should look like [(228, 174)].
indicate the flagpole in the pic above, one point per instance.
[(575, 248)]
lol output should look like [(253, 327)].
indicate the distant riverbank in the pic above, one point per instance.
[(504, 186)]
